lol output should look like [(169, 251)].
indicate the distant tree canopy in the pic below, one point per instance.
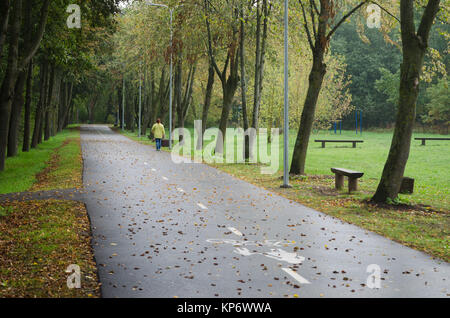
[(374, 67), (437, 109)]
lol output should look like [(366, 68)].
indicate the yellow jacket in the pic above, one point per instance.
[(158, 131)]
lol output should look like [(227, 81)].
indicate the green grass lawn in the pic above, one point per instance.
[(423, 222), (20, 172), (428, 165)]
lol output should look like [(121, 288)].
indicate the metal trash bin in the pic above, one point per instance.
[(407, 186)]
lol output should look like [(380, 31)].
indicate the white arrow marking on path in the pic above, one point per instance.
[(235, 231), (165, 178), (202, 206), (281, 255), (154, 170), (244, 251), (180, 190), (296, 276)]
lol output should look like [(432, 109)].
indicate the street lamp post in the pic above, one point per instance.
[(286, 96), (171, 64)]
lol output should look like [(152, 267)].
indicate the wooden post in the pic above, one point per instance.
[(423, 142), (339, 181), (323, 144), (352, 184), (354, 144)]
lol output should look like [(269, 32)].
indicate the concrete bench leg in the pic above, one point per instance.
[(339, 182), (352, 184)]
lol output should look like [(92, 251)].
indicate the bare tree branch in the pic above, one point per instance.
[(313, 18), (385, 10), (344, 18), (311, 44), (210, 50)]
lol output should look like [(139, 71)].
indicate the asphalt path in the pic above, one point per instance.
[(162, 229)]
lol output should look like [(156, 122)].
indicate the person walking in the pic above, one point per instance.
[(159, 133)]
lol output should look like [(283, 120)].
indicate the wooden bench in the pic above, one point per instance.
[(353, 177), (425, 139), (354, 142)]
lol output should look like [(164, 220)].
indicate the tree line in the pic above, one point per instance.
[(43, 64)]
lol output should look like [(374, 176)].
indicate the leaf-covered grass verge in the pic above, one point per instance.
[(22, 172), (38, 241), (64, 169)]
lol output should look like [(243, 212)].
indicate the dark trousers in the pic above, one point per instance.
[(158, 143)]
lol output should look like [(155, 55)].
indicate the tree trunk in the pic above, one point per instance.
[(4, 18), (147, 114), (244, 83), (28, 96), (260, 55), (56, 103), (129, 109), (257, 95), (146, 90), (37, 132), (301, 145), (18, 101), (163, 97), (414, 50), (69, 117), (47, 125), (187, 100), (178, 94), (16, 115), (7, 88), (183, 98), (229, 90), (120, 102), (48, 101), (91, 107), (68, 106), (62, 105), (109, 108), (229, 87), (207, 103), (153, 98)]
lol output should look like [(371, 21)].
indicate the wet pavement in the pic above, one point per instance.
[(162, 229)]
